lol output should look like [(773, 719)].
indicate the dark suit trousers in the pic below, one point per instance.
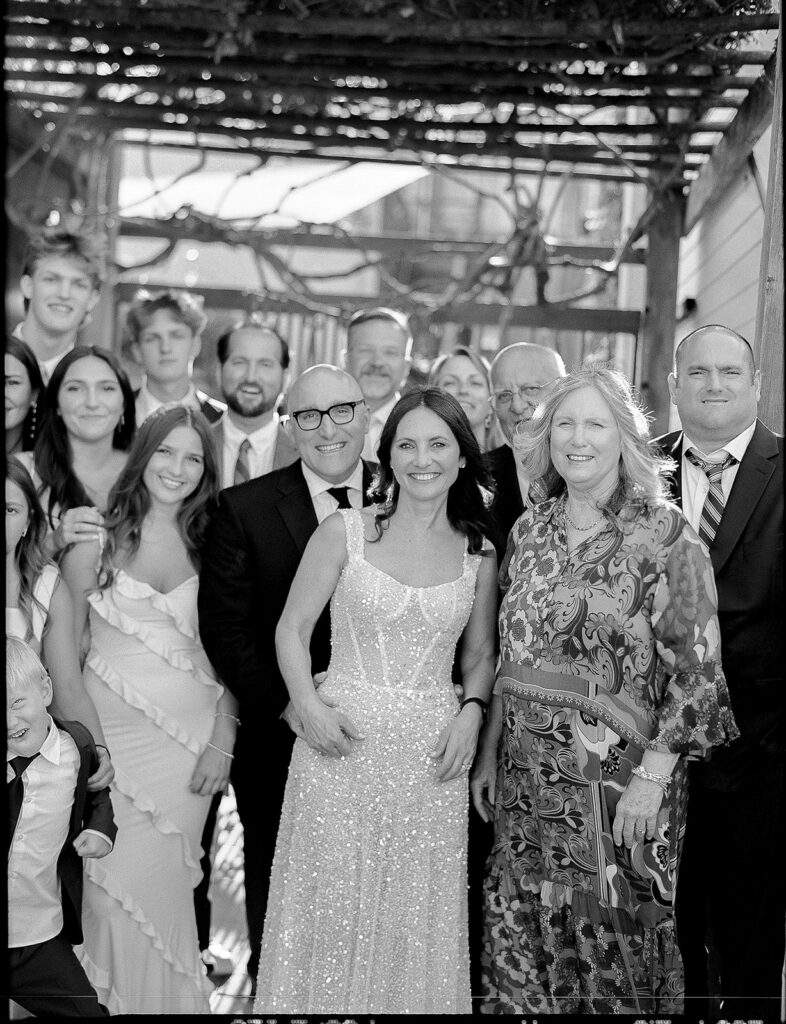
[(48, 980), (259, 777), (731, 894), (202, 905)]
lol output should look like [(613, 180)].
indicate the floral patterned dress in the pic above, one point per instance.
[(606, 651)]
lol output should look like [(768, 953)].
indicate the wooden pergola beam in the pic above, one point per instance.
[(403, 244), (401, 74), (615, 321), (733, 150), (389, 28), (320, 91), (252, 144), (768, 342)]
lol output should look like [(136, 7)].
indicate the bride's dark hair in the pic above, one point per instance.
[(129, 500), (466, 509)]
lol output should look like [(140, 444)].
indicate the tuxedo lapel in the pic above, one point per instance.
[(295, 506), (752, 477)]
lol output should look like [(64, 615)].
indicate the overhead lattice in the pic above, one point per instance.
[(478, 83)]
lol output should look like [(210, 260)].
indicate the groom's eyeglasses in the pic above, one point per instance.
[(311, 419)]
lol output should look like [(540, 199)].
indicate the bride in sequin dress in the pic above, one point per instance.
[(367, 911)]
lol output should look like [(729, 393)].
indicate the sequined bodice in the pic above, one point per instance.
[(390, 636)]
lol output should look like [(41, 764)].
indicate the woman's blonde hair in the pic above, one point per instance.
[(642, 471)]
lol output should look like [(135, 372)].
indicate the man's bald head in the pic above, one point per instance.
[(518, 375), (332, 450)]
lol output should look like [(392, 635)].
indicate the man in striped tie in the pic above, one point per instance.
[(731, 895)]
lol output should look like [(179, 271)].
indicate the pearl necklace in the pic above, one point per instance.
[(582, 529)]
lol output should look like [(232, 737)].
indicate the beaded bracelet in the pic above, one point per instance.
[(664, 781), (224, 752), (226, 714)]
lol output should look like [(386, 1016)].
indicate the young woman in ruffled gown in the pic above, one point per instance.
[(367, 911), (167, 721)]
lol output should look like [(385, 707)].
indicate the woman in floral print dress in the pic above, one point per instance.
[(609, 680)]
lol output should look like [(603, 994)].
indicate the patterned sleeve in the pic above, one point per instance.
[(695, 713)]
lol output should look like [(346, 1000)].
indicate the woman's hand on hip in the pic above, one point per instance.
[(636, 817), (104, 773)]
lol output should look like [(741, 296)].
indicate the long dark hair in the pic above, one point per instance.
[(129, 499), (466, 509), (53, 455), (21, 350), (30, 553)]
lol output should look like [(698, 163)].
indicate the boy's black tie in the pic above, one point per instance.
[(16, 791)]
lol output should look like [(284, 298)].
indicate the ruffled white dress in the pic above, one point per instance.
[(156, 696)]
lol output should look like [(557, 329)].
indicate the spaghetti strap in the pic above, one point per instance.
[(353, 524)]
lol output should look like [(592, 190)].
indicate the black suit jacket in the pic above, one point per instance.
[(747, 557), (89, 810), (507, 505), (253, 550)]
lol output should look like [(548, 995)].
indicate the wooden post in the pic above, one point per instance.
[(768, 342), (660, 316)]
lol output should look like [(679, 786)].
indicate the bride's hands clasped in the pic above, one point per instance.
[(456, 744)]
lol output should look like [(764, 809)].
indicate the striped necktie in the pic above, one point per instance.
[(714, 502), (242, 467)]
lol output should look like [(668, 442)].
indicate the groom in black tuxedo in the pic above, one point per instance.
[(252, 553)]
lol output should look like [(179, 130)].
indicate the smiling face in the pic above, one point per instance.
[(17, 515), (377, 358), (585, 443), (461, 378), (27, 718), (252, 377), (166, 348), (175, 467), (19, 395), (716, 390), (90, 400), (425, 456), (332, 450), (61, 294), (519, 376)]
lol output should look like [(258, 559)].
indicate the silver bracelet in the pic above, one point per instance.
[(226, 714), (664, 781), (224, 752)]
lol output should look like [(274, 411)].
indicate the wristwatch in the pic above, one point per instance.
[(482, 704)]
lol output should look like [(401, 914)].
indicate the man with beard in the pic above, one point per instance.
[(379, 357), (254, 363)]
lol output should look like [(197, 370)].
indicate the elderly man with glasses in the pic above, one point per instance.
[(253, 550), (519, 374)]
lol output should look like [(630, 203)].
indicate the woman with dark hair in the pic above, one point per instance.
[(609, 682), (169, 724), (367, 911), (23, 389), (464, 374), (87, 429), (39, 609)]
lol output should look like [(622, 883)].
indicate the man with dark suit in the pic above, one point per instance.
[(731, 891), (55, 821), (252, 554), (519, 374)]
